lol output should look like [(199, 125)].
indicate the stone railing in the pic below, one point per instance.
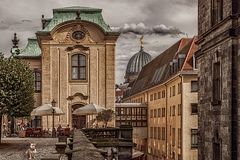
[(117, 140)]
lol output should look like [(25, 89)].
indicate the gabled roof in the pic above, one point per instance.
[(158, 70), (61, 15)]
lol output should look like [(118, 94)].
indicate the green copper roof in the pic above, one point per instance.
[(61, 15), (31, 50)]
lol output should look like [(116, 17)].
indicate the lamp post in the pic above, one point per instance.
[(53, 111)]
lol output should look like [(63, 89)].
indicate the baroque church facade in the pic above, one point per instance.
[(218, 64), (73, 59)]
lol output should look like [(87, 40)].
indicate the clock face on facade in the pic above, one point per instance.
[(78, 35)]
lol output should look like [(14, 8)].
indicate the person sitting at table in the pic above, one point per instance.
[(59, 130)]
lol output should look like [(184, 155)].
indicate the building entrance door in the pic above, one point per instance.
[(78, 121)]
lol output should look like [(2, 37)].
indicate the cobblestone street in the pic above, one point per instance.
[(15, 148)]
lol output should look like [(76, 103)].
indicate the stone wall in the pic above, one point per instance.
[(216, 43)]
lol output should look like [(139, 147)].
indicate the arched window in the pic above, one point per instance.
[(78, 67)]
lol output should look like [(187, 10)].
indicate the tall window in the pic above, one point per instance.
[(173, 110), (194, 86), (163, 133), (173, 136), (179, 137), (79, 67), (173, 90), (217, 147), (194, 138), (217, 11), (37, 81), (216, 83), (194, 108)]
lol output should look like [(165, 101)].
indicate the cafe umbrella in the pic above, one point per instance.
[(89, 109), (47, 110)]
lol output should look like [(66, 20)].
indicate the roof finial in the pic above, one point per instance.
[(43, 21), (15, 41), (141, 42), (78, 14)]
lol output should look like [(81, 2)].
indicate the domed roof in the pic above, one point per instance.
[(137, 61)]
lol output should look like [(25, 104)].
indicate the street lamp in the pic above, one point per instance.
[(53, 111)]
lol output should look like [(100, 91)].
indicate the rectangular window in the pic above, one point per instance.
[(159, 95), (217, 151), (179, 157), (159, 133), (216, 90), (155, 96), (173, 136), (151, 132), (170, 111), (194, 138), (173, 110), (194, 86), (37, 80), (155, 113), (163, 94), (194, 108), (179, 137), (170, 93), (173, 90), (179, 109), (163, 112), (155, 132), (217, 11), (179, 88), (151, 97), (163, 133), (159, 112), (151, 113)]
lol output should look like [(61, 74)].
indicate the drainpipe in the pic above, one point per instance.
[(166, 114), (181, 102)]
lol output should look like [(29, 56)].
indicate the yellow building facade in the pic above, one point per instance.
[(73, 59), (172, 103)]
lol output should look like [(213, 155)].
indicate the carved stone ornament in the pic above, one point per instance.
[(81, 95), (78, 34)]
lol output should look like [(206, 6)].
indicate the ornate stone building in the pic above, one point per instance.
[(218, 63), (73, 58)]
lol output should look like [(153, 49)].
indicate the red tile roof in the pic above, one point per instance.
[(158, 70)]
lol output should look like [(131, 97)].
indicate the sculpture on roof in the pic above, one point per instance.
[(15, 41), (78, 15), (141, 41)]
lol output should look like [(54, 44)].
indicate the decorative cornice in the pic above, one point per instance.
[(81, 47), (81, 95)]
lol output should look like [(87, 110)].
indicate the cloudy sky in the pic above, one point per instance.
[(162, 22)]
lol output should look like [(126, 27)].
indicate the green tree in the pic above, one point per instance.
[(16, 88), (105, 116)]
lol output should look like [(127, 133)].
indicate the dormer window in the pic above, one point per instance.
[(181, 58), (175, 66)]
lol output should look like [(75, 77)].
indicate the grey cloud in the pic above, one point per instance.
[(20, 25), (142, 29)]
